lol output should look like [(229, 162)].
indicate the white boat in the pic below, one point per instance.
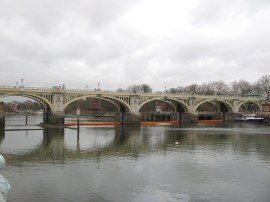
[(251, 118)]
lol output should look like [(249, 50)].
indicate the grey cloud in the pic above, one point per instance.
[(80, 43), (45, 16), (209, 12)]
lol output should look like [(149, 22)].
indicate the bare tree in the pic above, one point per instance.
[(245, 87), (180, 89), (145, 88), (134, 88), (264, 83), (235, 88), (241, 88), (220, 87), (120, 90), (142, 88), (172, 90), (192, 89), (206, 89)]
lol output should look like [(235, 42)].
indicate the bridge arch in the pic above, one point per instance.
[(181, 103), (214, 102), (167, 100), (117, 103), (46, 105), (253, 102)]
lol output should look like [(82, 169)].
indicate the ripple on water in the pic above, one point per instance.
[(41, 196), (151, 194)]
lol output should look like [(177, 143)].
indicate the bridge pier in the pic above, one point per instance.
[(129, 118), (189, 118), (2, 122), (50, 118)]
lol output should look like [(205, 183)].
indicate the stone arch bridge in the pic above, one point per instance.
[(55, 100)]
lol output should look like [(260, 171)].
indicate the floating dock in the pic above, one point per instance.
[(103, 123), (211, 121), (159, 122)]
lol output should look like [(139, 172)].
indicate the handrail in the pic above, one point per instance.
[(102, 92)]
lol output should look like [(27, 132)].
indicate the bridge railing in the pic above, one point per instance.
[(98, 91), (25, 88)]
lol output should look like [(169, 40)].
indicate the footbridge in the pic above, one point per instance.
[(54, 101)]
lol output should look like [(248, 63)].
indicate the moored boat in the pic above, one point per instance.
[(249, 119)]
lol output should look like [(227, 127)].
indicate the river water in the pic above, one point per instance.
[(188, 163)]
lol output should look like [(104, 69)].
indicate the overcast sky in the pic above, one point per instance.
[(123, 42)]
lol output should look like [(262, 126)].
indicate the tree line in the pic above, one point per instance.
[(236, 88), (93, 106), (28, 105)]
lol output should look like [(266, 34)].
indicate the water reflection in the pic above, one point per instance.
[(59, 143), (19, 142), (132, 163)]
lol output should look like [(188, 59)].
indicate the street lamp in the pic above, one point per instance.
[(22, 82)]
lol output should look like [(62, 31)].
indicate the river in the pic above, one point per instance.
[(186, 163)]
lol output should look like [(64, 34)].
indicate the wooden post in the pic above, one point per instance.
[(78, 112), (78, 129)]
